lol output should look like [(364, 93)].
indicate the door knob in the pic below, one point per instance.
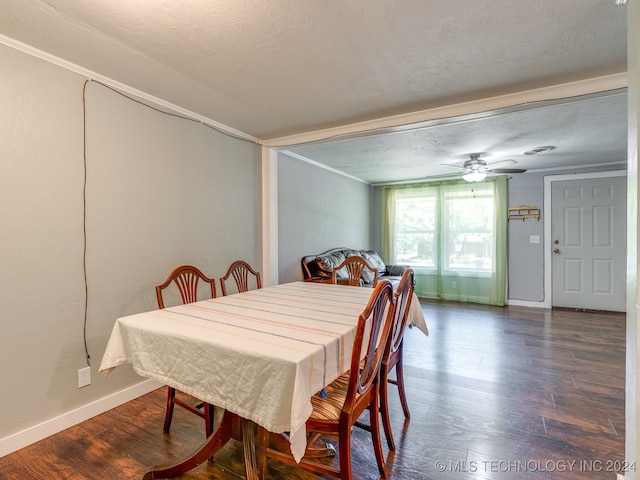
[(556, 250), (556, 242)]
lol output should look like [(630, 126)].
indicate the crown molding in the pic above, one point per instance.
[(320, 165), (422, 118), (542, 97), (126, 89)]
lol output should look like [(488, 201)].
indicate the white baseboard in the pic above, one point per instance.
[(52, 426), (525, 303)]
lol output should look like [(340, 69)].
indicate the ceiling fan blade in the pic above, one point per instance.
[(507, 170), (476, 164), (444, 176), (454, 166), (505, 162)]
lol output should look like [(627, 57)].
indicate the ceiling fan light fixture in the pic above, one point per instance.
[(474, 176)]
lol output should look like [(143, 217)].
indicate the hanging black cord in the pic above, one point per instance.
[(171, 114), (84, 186), (84, 217)]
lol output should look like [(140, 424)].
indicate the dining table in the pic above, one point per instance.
[(259, 355)]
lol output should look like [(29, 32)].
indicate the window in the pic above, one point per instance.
[(415, 231), (467, 226), (447, 223), (453, 234)]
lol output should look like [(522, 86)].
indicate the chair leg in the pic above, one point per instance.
[(209, 412), (171, 393), (344, 447), (401, 391), (374, 419), (384, 410)]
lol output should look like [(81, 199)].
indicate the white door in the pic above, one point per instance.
[(588, 243)]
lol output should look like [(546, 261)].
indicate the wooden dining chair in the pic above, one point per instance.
[(337, 408), (393, 354), (244, 276), (392, 357), (355, 267), (187, 279)]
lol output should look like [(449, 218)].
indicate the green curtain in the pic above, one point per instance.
[(436, 280), (499, 284), (389, 217)]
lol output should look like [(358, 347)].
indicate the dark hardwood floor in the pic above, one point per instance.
[(495, 393)]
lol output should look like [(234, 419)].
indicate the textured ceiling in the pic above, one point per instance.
[(586, 131), (275, 68)]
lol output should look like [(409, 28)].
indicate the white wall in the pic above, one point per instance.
[(632, 390), (526, 260), (160, 191), (318, 210)]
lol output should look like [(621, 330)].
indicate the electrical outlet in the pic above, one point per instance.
[(454, 284), (84, 377)]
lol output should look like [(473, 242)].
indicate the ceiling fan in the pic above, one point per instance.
[(476, 169)]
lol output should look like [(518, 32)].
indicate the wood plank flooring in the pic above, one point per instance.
[(495, 393)]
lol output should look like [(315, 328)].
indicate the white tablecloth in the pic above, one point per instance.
[(260, 354)]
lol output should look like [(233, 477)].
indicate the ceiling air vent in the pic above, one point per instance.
[(539, 150)]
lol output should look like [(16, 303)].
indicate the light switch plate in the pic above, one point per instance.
[(534, 238)]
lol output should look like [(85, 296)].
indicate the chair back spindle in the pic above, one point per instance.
[(244, 276), (355, 267), (186, 278)]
